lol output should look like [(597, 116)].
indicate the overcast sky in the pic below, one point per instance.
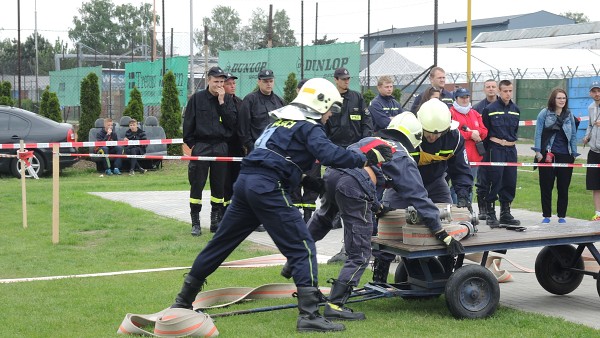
[(345, 20)]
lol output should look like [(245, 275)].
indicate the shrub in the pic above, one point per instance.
[(135, 106), (90, 105), (170, 112)]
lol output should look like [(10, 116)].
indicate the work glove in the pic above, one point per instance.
[(379, 154), (315, 184), (452, 246)]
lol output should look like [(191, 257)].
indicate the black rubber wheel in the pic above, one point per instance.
[(551, 273), (598, 284), (401, 274), (37, 163), (472, 292)]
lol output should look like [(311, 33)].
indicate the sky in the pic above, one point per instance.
[(345, 20)]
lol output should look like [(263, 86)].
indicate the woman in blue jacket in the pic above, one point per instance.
[(555, 142)]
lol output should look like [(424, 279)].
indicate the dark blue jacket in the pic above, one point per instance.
[(382, 109), (288, 148), (352, 124), (205, 120), (253, 116), (481, 105), (502, 121), (446, 155)]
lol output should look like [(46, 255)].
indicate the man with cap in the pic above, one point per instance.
[(208, 123), (592, 138), (234, 144), (253, 114), (437, 77)]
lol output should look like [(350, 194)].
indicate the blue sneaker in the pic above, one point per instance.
[(562, 221), (117, 171), (546, 220), (108, 172)]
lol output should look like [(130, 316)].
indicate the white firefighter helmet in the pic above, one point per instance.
[(435, 117), (408, 124), (318, 96)]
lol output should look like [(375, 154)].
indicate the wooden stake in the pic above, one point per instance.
[(55, 193), (23, 187)]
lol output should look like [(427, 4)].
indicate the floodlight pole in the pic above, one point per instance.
[(435, 32)]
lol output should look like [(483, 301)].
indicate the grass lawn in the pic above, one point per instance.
[(98, 235)]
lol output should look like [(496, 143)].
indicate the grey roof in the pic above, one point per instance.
[(539, 32)]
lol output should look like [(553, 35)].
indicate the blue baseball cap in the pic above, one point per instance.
[(595, 84), (460, 92)]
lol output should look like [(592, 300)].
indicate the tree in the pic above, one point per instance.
[(54, 112), (44, 102), (283, 35), (90, 105), (170, 111), (5, 94), (397, 94), (104, 27), (254, 35), (289, 91), (324, 41), (135, 106), (576, 16), (223, 29), (368, 96)]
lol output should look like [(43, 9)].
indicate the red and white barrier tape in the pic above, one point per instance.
[(533, 122), (161, 157), (92, 144), (517, 164)]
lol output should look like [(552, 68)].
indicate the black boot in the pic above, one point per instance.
[(309, 319), (196, 230), (339, 257), (505, 216), (335, 309), (189, 290), (216, 214), (381, 270), (307, 214), (286, 271), (491, 219), (482, 209)]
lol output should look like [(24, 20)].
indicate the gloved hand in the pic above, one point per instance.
[(453, 246), (315, 184), (379, 154)]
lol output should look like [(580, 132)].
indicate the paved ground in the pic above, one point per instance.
[(524, 293)]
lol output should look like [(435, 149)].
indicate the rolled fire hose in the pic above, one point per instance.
[(170, 323)]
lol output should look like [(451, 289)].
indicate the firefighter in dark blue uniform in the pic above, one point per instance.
[(208, 123), (502, 121), (441, 155), (352, 193), (287, 148)]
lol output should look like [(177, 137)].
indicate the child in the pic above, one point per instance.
[(135, 133)]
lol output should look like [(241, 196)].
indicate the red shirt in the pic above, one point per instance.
[(473, 121)]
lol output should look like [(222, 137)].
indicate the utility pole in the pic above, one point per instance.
[(191, 79), (19, 49), (435, 32), (37, 62), (154, 31), (316, 21), (164, 40), (301, 40), (368, 44), (270, 28)]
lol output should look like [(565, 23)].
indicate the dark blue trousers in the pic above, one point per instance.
[(352, 200), (260, 198), (501, 180)]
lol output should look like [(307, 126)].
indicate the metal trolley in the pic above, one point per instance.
[(471, 290)]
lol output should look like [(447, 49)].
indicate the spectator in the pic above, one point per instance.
[(501, 118), (592, 138), (471, 128), (490, 87), (208, 123), (301, 197), (255, 108), (107, 134), (555, 142), (384, 106), (437, 77), (135, 133), (287, 148), (428, 94), (234, 144)]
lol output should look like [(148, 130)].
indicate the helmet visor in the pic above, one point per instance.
[(336, 108), (437, 133)]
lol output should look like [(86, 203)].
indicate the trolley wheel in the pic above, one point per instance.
[(472, 291), (551, 269), (401, 274)]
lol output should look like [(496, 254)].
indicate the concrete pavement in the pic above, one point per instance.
[(524, 293)]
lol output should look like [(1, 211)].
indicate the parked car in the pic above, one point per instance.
[(19, 124)]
